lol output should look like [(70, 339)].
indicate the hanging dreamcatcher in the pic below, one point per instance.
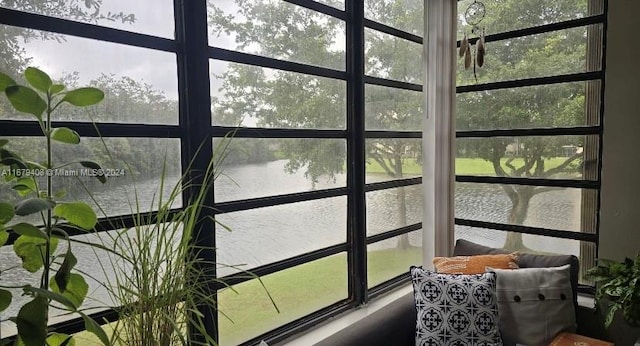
[(473, 15)]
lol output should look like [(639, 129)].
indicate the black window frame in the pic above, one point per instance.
[(194, 127), (597, 130)]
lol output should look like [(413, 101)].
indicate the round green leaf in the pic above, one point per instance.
[(31, 251), (26, 100), (84, 96), (56, 88), (58, 339), (4, 236), (38, 79), (6, 212), (5, 81), (77, 213), (5, 299), (65, 135), (76, 290), (29, 230), (32, 321), (33, 205), (50, 294), (63, 275)]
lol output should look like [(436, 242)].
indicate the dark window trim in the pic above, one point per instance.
[(193, 56), (372, 239), (569, 183), (84, 30), (536, 81), (541, 29), (547, 232), (371, 24), (530, 132)]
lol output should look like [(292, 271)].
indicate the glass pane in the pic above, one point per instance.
[(553, 53), (277, 29), (392, 159), (508, 15), (132, 168), (298, 291), (392, 109), (392, 57), (265, 235), (556, 105), (392, 257), (393, 208), (255, 96), (568, 209), (134, 91), (154, 17), (407, 15), (282, 165), (585, 251), (559, 157), (339, 4)]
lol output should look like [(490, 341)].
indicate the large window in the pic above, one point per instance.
[(322, 187), (529, 128)]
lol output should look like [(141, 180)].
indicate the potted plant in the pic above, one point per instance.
[(618, 288), (38, 213)]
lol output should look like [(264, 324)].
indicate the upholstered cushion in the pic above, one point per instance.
[(525, 260), (534, 304), (474, 264), (455, 309)]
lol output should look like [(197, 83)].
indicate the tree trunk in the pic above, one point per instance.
[(403, 241), (517, 215), (401, 198)]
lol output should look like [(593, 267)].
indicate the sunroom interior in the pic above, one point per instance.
[(348, 142)]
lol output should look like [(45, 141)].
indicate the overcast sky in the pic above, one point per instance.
[(91, 58)]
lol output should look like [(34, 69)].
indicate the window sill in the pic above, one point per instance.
[(336, 324), (586, 301)]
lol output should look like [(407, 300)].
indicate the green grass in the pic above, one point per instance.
[(476, 166), (464, 166), (297, 291)]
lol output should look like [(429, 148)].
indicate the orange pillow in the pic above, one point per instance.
[(475, 264)]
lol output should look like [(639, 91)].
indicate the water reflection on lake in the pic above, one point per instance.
[(264, 235)]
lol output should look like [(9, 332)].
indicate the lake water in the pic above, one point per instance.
[(265, 235)]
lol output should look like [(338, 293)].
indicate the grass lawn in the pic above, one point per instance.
[(297, 291), (464, 166)]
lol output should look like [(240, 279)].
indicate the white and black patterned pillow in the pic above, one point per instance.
[(455, 310)]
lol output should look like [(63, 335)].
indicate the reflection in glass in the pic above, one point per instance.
[(255, 96), (153, 17), (260, 167), (392, 109), (246, 311), (406, 15), (391, 159), (556, 105), (392, 257), (392, 57), (543, 55), (277, 29), (535, 206), (134, 90), (265, 235), (558, 157), (393, 208)]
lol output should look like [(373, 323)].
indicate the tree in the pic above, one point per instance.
[(292, 100), (547, 54)]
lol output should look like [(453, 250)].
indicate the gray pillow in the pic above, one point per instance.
[(534, 305), (467, 248)]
